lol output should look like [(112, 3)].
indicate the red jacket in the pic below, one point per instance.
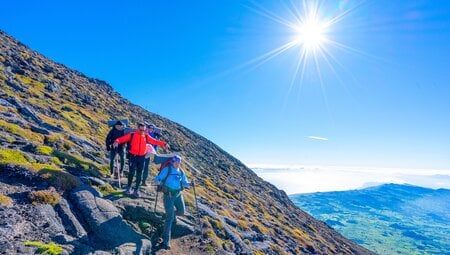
[(138, 144)]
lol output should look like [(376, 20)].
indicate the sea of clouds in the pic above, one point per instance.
[(307, 179)]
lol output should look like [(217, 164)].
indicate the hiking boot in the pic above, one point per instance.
[(128, 191), (144, 184), (137, 193), (166, 246)]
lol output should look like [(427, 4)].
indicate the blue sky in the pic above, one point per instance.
[(384, 106)]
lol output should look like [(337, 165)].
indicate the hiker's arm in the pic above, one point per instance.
[(122, 139), (185, 182), (159, 177), (155, 142), (108, 140)]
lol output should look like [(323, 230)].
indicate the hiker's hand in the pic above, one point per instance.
[(192, 183), (115, 144), (167, 146)]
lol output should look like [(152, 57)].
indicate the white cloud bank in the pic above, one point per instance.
[(306, 179)]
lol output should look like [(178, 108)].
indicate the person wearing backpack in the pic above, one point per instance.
[(138, 148), (115, 132), (150, 150), (172, 181)]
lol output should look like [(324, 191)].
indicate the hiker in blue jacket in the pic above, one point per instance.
[(173, 181)]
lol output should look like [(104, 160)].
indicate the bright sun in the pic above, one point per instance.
[(311, 24), (311, 34)]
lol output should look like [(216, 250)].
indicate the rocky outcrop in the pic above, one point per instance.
[(104, 223), (71, 224)]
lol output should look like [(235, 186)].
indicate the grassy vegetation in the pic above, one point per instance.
[(12, 128), (43, 248), (16, 157), (12, 156), (5, 200), (73, 161), (106, 189), (37, 86), (56, 161), (215, 223), (61, 180), (44, 150), (25, 133), (49, 196)]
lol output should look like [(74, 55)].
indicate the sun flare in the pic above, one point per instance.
[(311, 34), (312, 26)]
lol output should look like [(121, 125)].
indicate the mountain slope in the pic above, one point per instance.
[(389, 219), (52, 128)]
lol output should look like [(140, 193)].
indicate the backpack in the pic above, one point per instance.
[(161, 187)]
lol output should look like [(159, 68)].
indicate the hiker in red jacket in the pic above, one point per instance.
[(138, 141)]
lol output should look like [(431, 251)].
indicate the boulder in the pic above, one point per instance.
[(49, 220), (71, 223), (104, 223), (52, 87), (39, 130)]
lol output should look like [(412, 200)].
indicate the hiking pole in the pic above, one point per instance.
[(195, 197), (156, 199), (198, 215), (118, 167)]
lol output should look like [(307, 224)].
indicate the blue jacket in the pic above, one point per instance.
[(175, 180)]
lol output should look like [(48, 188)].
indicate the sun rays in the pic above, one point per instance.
[(310, 38)]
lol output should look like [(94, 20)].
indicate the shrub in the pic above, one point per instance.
[(56, 161), (106, 189), (49, 196), (228, 245), (51, 139), (61, 180), (12, 156), (12, 128), (67, 145), (50, 249), (243, 225), (44, 150), (5, 200), (258, 252), (86, 166), (216, 223)]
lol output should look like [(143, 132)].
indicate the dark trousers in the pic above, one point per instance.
[(136, 166), (146, 169)]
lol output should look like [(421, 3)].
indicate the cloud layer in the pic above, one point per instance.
[(306, 179)]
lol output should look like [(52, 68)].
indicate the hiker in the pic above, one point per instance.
[(115, 132), (138, 140), (173, 181), (150, 151)]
